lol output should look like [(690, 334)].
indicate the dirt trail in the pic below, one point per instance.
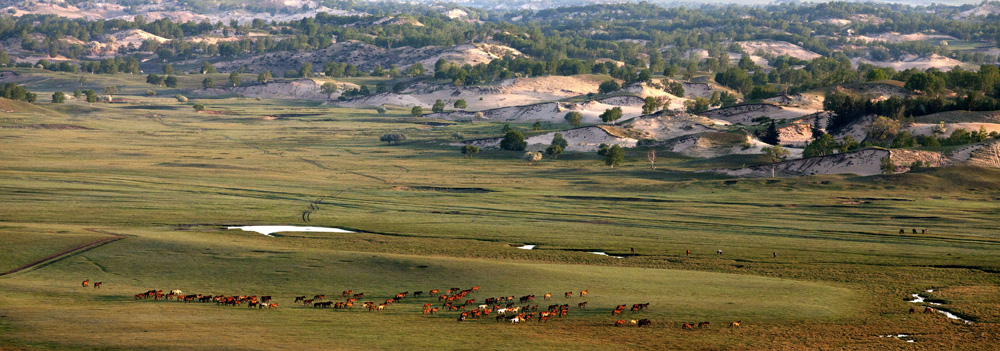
[(53, 258)]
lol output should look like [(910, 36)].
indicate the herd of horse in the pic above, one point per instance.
[(502, 308)]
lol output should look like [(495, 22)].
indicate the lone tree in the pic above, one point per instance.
[(417, 111), (263, 77), (887, 166), (170, 82), (558, 139), (532, 156), (611, 115), (608, 87), (58, 97), (650, 106), (207, 68), (208, 83), (554, 151), (774, 154), (390, 138), (574, 118), (199, 107), (380, 110), (469, 150), (234, 78), (651, 156), (328, 88), (614, 156), (771, 135), (460, 103), (91, 95), (438, 106), (513, 141)]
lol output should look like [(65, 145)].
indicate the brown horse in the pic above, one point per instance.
[(702, 325), (582, 305), (618, 323), (86, 283), (569, 294), (928, 310), (735, 324), (584, 293), (913, 310), (98, 285), (687, 326)]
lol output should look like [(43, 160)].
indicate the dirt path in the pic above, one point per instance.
[(50, 259)]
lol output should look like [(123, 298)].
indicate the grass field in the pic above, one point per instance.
[(808, 263)]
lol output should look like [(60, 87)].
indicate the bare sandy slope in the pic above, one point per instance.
[(713, 144), (669, 125), (366, 57), (552, 112), (643, 90), (778, 48), (299, 89), (583, 139), (511, 92), (744, 114), (896, 38), (921, 63), (796, 134), (980, 11), (862, 162), (984, 154), (929, 128)]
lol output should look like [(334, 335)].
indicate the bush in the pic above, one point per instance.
[(58, 97), (390, 138), (199, 107), (380, 110), (460, 103), (417, 111), (150, 92), (574, 118), (532, 156), (513, 141), (614, 156), (609, 87), (181, 98), (469, 150)]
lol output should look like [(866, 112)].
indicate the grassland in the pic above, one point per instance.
[(808, 263)]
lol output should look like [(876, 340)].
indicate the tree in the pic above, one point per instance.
[(774, 154), (927, 83), (390, 138), (506, 128), (380, 110), (554, 151), (170, 82), (91, 95), (234, 78), (882, 129), (154, 79), (58, 97), (611, 115), (208, 83), (77, 93), (532, 156), (438, 106), (110, 90), (150, 92), (887, 166), (4, 58), (558, 139), (469, 150), (903, 139), (614, 156), (416, 111), (199, 107), (650, 106), (168, 69), (698, 105), (306, 70), (822, 146), (460, 103), (574, 118), (513, 141), (651, 156), (771, 136), (536, 126), (876, 74), (181, 98), (207, 68), (608, 87), (263, 77), (328, 88)]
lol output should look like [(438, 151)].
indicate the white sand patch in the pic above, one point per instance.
[(552, 112), (921, 63), (929, 128), (983, 10), (271, 229), (527, 247), (797, 135), (920, 299), (895, 37), (456, 13), (299, 89), (643, 90), (778, 48), (605, 254), (586, 139), (744, 114), (862, 162), (472, 54), (664, 126)]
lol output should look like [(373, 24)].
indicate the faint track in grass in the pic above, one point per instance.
[(59, 256)]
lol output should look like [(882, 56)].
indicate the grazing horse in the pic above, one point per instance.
[(923, 231), (687, 326), (633, 250), (618, 323), (569, 294), (901, 231), (582, 305), (735, 324), (702, 325), (928, 310), (300, 299), (548, 296), (687, 252), (584, 293), (86, 283), (913, 310), (272, 306), (98, 284), (347, 293), (914, 230), (644, 323), (318, 297)]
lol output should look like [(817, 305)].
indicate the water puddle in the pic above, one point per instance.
[(920, 299), (527, 247), (605, 254), (271, 229)]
